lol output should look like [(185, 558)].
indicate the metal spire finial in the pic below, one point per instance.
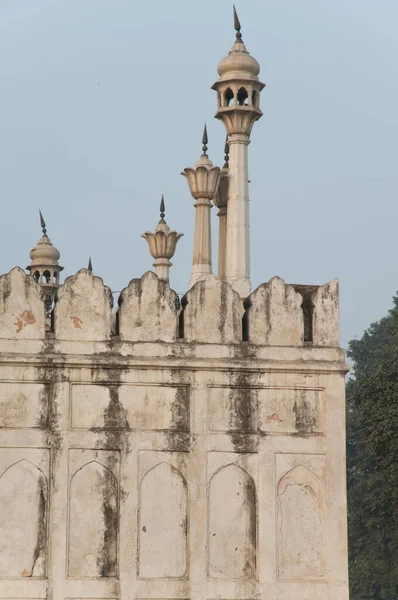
[(162, 210), (42, 223), (205, 141), (90, 265), (237, 25), (226, 152)]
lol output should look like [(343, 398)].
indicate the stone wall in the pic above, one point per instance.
[(171, 450)]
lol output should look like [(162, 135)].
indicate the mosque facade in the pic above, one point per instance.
[(174, 448)]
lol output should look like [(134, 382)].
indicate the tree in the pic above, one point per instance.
[(372, 461)]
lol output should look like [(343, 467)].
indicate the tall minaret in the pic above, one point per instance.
[(238, 96)]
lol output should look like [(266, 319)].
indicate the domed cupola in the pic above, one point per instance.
[(238, 88), (44, 267)]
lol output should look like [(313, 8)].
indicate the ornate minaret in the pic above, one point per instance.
[(162, 244), (44, 267), (238, 94), (203, 183)]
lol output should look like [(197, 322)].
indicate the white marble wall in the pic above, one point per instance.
[(171, 469)]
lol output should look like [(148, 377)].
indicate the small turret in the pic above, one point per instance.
[(238, 88), (44, 267)]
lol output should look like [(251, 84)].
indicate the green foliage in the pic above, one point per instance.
[(372, 461)]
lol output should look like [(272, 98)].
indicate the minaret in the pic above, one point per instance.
[(44, 267), (238, 95), (203, 183), (162, 244)]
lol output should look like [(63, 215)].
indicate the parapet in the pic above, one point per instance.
[(211, 312)]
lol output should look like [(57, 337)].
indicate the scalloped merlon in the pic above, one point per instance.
[(213, 312), (274, 315), (326, 315), (22, 314), (148, 310), (83, 310)]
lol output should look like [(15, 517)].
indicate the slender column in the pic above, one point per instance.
[(203, 181), (222, 241), (237, 267), (201, 263)]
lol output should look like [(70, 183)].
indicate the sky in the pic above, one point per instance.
[(103, 102)]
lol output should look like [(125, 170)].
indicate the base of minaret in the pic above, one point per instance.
[(199, 271), (241, 285)]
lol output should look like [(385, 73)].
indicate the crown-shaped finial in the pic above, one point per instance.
[(237, 25), (42, 223), (205, 140)]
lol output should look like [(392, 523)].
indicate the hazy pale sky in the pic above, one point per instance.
[(102, 104)]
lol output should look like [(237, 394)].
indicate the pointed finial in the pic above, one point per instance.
[(42, 223), (205, 140), (237, 25), (90, 265), (162, 210), (226, 152)]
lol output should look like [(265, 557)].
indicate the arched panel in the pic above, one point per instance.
[(232, 524), (23, 521), (163, 523), (300, 527), (93, 522)]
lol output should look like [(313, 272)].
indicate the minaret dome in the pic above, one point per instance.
[(44, 266)]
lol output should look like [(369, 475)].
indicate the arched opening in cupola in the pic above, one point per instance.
[(55, 277), (243, 97), (47, 277), (36, 276), (228, 96)]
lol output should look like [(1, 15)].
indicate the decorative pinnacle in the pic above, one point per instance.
[(226, 152), (162, 210), (205, 141), (90, 265), (237, 25), (42, 223)]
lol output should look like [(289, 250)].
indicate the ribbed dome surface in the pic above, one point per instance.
[(238, 63)]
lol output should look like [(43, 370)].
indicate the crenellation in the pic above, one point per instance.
[(275, 314)]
